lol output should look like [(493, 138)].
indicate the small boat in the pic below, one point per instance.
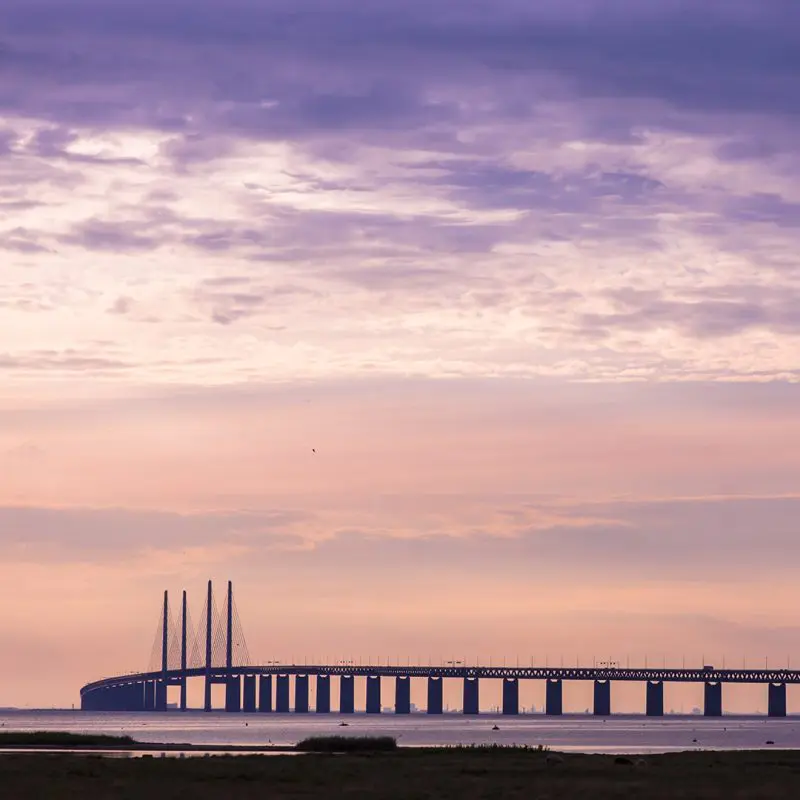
[(495, 728), (343, 724)]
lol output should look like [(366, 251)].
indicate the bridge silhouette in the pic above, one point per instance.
[(217, 652)]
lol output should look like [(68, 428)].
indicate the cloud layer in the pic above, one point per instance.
[(586, 189)]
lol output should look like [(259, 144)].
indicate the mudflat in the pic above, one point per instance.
[(462, 774)]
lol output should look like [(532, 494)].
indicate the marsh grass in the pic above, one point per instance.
[(61, 739), (347, 744)]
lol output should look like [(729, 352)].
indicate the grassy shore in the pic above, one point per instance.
[(69, 742), (347, 744), (53, 740), (62, 739), (433, 774)]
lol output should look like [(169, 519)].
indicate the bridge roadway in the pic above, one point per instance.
[(147, 691)]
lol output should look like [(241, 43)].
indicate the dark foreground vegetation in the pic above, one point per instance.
[(347, 744), (79, 742), (465, 774), (61, 739)]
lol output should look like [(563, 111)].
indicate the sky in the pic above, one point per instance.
[(455, 329)]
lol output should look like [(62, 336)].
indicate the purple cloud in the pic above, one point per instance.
[(472, 158), (701, 313), (362, 65)]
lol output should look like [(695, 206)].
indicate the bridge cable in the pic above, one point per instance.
[(194, 642), (218, 635), (154, 665), (241, 653), (174, 648)]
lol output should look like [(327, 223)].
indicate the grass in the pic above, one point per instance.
[(61, 739), (479, 774), (347, 744)]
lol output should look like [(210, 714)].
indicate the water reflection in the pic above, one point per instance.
[(619, 734)]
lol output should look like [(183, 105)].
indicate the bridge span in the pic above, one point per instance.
[(284, 688)]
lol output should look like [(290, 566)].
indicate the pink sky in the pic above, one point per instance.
[(525, 278), (437, 520)]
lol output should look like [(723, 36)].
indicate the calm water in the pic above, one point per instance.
[(578, 733)]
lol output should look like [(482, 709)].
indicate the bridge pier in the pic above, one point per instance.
[(554, 697), (435, 695), (161, 695), (125, 698), (265, 693), (373, 694), (602, 698), (150, 696), (233, 694), (301, 694), (655, 699), (347, 694), (130, 697), (118, 697), (712, 699), (282, 694), (471, 696), (323, 705), (141, 693), (510, 696), (249, 694), (402, 694), (207, 693), (140, 696), (776, 699)]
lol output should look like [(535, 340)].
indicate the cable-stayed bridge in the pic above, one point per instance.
[(216, 651)]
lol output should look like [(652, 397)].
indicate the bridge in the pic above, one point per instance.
[(217, 652)]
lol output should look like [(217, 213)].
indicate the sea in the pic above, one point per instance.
[(569, 733)]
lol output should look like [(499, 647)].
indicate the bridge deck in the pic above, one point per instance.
[(776, 676)]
